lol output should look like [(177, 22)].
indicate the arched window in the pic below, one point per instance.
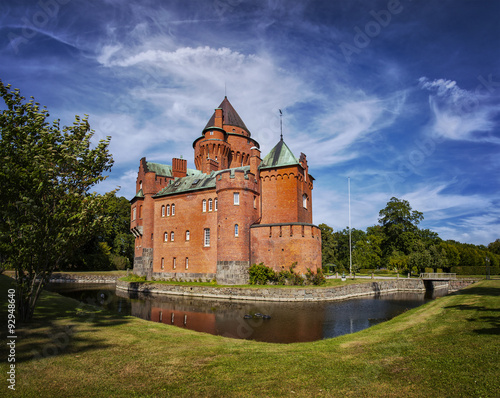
[(215, 204), (165, 237), (204, 205), (187, 235), (173, 209), (187, 262), (236, 230), (172, 236), (210, 205), (168, 210), (163, 211)]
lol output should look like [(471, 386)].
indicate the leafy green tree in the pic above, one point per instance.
[(327, 244), (400, 226), (47, 208), (494, 247)]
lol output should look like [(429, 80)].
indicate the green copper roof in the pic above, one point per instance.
[(196, 182), (280, 155), (139, 194), (164, 170)]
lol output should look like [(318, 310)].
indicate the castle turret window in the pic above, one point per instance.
[(173, 209), (133, 214), (168, 210), (163, 211), (210, 204), (174, 264), (236, 230), (204, 205), (162, 263), (187, 262), (165, 236), (187, 235), (236, 197), (304, 201), (215, 204), (171, 236)]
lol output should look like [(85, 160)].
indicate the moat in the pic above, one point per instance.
[(288, 323)]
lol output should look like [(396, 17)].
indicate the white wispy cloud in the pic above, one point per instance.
[(459, 114)]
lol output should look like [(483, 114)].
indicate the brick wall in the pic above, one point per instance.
[(280, 245)]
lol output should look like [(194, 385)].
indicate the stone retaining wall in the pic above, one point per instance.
[(78, 278), (277, 294)]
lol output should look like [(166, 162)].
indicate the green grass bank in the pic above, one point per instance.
[(449, 347)]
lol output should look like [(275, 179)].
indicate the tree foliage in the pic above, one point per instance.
[(46, 175)]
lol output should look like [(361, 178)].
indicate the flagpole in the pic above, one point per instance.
[(350, 243)]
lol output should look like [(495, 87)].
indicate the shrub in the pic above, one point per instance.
[(429, 270), (260, 274), (315, 279)]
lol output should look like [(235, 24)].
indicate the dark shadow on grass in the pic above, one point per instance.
[(55, 329), (492, 319), (479, 291)]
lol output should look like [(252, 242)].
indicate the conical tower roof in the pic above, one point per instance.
[(229, 115), (280, 155)]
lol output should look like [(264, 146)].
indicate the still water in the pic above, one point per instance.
[(289, 322)]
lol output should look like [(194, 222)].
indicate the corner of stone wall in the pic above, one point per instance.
[(232, 272), (143, 266)]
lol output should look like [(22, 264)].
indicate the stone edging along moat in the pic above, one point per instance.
[(287, 294)]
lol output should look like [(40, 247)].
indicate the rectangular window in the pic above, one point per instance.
[(187, 262), (215, 204), (236, 230), (174, 263), (165, 236), (210, 203), (255, 202), (236, 197), (187, 235), (162, 263), (207, 237), (204, 205), (171, 236), (133, 214)]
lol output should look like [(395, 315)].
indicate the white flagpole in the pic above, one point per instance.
[(350, 244)]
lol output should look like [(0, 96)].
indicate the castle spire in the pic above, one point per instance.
[(281, 124)]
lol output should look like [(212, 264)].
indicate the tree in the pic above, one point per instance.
[(46, 175), (327, 245), (494, 247), (400, 226)]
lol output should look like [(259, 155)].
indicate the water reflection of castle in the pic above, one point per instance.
[(225, 318)]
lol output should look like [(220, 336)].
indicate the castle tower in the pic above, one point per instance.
[(225, 142)]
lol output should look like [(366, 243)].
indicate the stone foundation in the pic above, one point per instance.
[(232, 272), (183, 276)]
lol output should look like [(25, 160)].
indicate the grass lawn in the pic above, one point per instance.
[(449, 347)]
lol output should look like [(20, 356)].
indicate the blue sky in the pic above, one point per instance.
[(401, 96)]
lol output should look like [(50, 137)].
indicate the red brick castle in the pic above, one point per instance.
[(234, 210)]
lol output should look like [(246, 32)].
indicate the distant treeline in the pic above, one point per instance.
[(397, 243)]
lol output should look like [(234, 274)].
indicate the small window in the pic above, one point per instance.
[(236, 230), (211, 133), (133, 214), (163, 211), (173, 209), (140, 211), (151, 236), (304, 201), (207, 237), (172, 236), (187, 235), (174, 263), (210, 205), (215, 204), (255, 202), (165, 236), (236, 197), (187, 262), (140, 184), (168, 210), (162, 263), (204, 205)]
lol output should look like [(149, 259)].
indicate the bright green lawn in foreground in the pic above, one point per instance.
[(447, 348)]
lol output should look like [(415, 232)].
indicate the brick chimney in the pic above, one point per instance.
[(255, 160), (218, 117), (179, 167)]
